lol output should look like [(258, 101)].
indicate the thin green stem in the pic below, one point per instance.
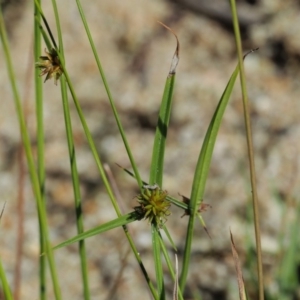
[(73, 165), (97, 158), (104, 177), (187, 252), (76, 189), (169, 263), (138, 258), (38, 6), (91, 143), (250, 149), (117, 118), (157, 262), (28, 151), (40, 145), (44, 34)]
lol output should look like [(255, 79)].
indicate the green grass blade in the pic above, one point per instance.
[(91, 143), (59, 33), (44, 34), (38, 6), (157, 164), (142, 267), (166, 231), (76, 189), (28, 151), (73, 165), (39, 106), (80, 114), (121, 221), (4, 283), (204, 160), (106, 183), (117, 118), (177, 203), (201, 172), (103, 175), (169, 263), (40, 146), (99, 163), (158, 153), (157, 262)]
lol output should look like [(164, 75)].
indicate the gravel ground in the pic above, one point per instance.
[(136, 53)]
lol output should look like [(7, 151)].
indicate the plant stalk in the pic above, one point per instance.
[(250, 149)]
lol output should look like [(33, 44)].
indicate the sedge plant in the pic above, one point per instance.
[(153, 201)]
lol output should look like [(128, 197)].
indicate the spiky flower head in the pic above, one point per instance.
[(50, 65), (153, 205)]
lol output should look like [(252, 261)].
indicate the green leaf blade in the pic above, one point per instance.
[(158, 262), (4, 284), (201, 172), (157, 163), (121, 221)]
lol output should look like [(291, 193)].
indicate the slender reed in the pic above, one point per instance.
[(40, 145), (21, 186), (95, 154), (250, 148), (30, 161), (109, 94), (201, 174), (73, 165)]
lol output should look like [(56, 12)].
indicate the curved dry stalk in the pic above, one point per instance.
[(175, 59), (238, 269)]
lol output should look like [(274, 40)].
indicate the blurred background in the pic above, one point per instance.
[(136, 53)]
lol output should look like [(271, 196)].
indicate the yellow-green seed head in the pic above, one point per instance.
[(154, 205)]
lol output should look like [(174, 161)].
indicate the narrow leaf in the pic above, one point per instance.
[(201, 172), (169, 237), (204, 160), (170, 266), (156, 172), (157, 261), (29, 156), (121, 221), (109, 94), (4, 284), (175, 290)]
